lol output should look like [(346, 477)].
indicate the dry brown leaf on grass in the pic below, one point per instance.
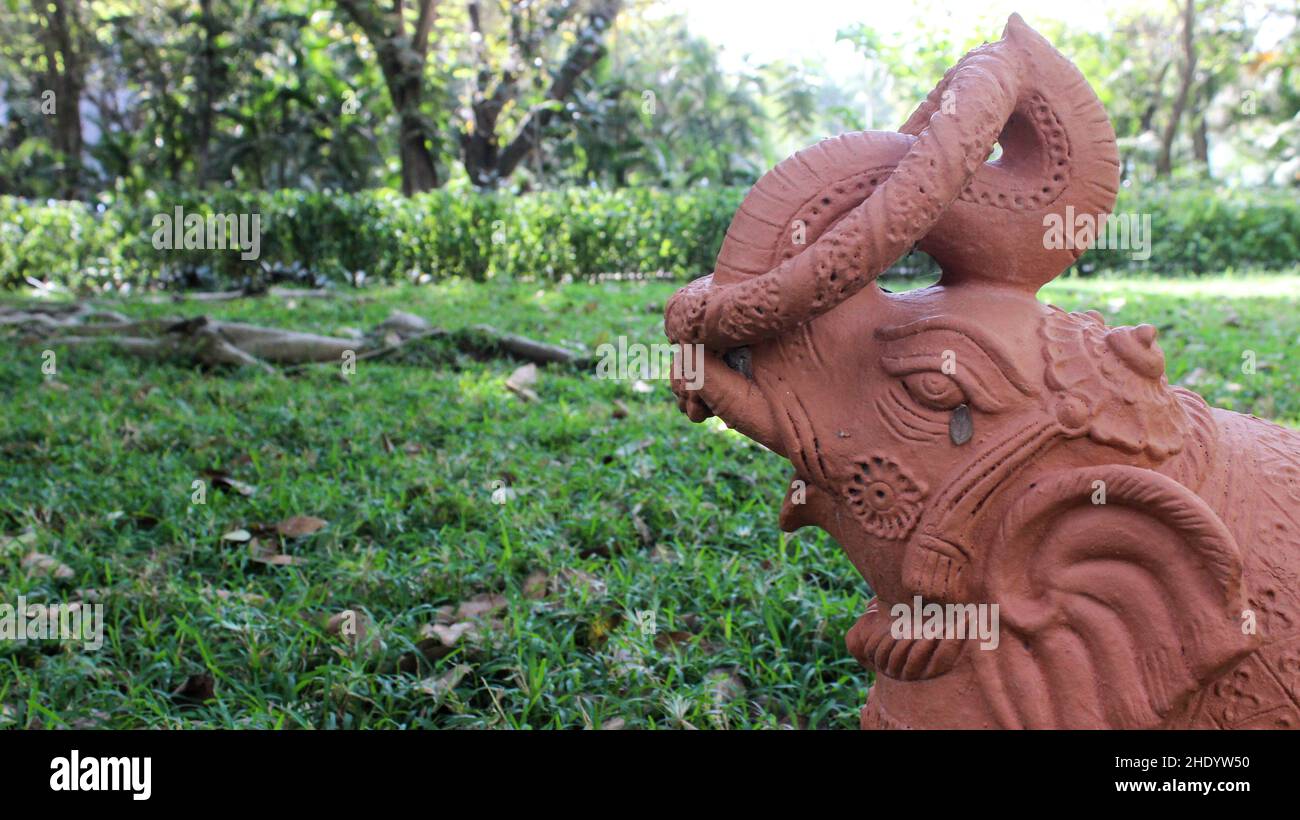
[(97, 719), (442, 685), (436, 642), (662, 553), (467, 620), (536, 584), (448, 635), (632, 448), (355, 627), (349, 623), (642, 528), (620, 409), (131, 435), (224, 481), (725, 684), (196, 688), (298, 526), (38, 563), (521, 382), (625, 662), (578, 579), (12, 543), (667, 640), (482, 604), (431, 649), (251, 598), (263, 554), (453, 625)]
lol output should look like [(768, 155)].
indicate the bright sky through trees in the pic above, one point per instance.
[(767, 30)]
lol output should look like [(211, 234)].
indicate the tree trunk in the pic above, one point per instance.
[(479, 152), (66, 78), (1164, 162), (1200, 132), (487, 161), (418, 170), (203, 138), (402, 61), (1147, 119)]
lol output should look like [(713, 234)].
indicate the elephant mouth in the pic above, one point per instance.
[(690, 401), (873, 643)]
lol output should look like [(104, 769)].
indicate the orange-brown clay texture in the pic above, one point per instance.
[(970, 446)]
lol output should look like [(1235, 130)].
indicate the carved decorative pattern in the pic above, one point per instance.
[(883, 497), (1035, 193), (1103, 391)]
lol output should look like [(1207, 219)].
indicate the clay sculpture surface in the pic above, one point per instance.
[(971, 445)]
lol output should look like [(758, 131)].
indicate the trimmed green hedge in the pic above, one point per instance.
[(1203, 230), (319, 237)]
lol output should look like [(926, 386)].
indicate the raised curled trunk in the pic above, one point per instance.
[(860, 247), (931, 186)]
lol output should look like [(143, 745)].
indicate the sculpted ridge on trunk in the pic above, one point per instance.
[(852, 253), (930, 186)]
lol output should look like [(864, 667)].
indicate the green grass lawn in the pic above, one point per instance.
[(603, 517)]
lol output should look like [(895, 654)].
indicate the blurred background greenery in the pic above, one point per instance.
[(414, 139)]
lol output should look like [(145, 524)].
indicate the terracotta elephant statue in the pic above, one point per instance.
[(968, 445)]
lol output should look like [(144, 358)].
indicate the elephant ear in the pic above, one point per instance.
[(1120, 595)]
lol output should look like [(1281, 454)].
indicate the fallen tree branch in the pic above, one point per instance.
[(525, 348), (207, 341), (241, 293), (57, 314)]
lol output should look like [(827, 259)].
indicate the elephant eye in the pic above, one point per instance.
[(740, 360), (934, 390)]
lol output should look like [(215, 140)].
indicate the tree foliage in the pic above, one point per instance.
[(1189, 85), (127, 96)]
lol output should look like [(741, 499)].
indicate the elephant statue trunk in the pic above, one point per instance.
[(977, 452)]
